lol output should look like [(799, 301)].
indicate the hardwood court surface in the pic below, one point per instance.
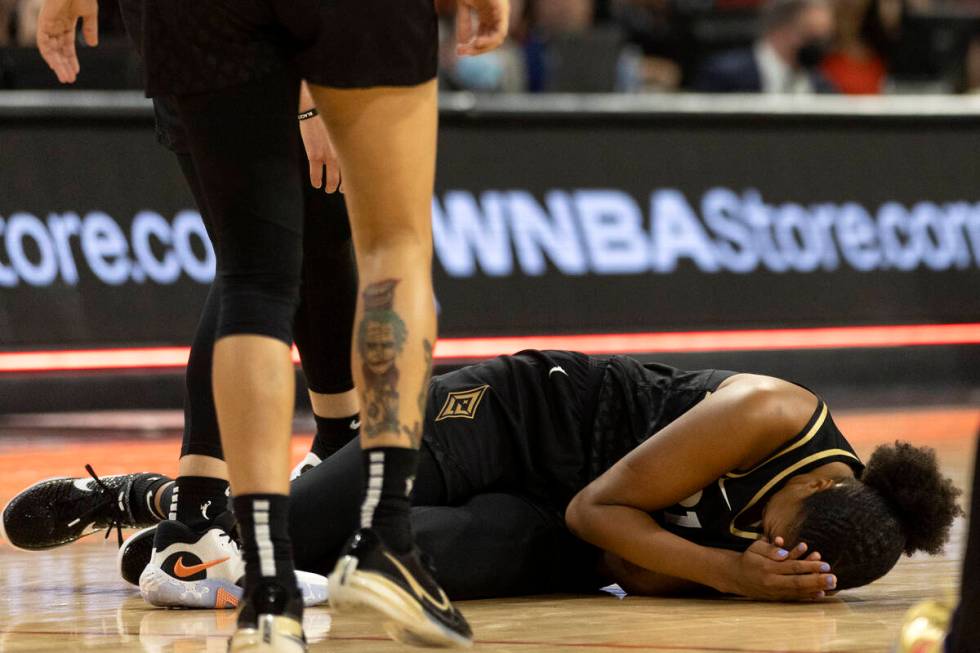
[(71, 599)]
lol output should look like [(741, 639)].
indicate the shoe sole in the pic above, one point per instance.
[(162, 590), (266, 639), (159, 588), (3, 516), (408, 623), (127, 547)]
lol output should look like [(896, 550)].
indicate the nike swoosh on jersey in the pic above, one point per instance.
[(355, 424), (557, 368), (442, 604), (183, 572)]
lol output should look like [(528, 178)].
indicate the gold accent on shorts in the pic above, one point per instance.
[(462, 403)]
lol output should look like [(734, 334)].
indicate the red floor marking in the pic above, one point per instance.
[(462, 349)]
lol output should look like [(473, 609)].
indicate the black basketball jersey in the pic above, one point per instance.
[(727, 513)]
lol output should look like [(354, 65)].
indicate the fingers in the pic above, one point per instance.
[(776, 552), (492, 17), (464, 28), (90, 27), (57, 48), (316, 173), (332, 178), (797, 552)]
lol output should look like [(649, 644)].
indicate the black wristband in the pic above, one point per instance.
[(306, 115)]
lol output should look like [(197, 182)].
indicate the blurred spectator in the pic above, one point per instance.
[(502, 71), (662, 36), (547, 20), (18, 21), (785, 59), (971, 68), (857, 64)]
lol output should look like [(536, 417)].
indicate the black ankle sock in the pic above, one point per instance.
[(333, 433), (390, 474), (141, 495), (263, 520), (197, 500)]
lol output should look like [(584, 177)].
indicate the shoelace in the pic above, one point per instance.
[(107, 500)]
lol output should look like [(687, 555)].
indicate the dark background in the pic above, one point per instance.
[(115, 166), (108, 160)]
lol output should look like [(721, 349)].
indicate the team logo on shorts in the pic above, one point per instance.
[(462, 403)]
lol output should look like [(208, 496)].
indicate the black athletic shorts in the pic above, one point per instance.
[(519, 424), (198, 46)]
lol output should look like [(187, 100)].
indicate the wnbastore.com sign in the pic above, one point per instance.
[(512, 232)]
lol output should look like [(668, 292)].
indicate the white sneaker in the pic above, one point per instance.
[(192, 570), (305, 465)]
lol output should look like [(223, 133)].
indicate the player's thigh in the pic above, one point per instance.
[(243, 142), (502, 545), (386, 141)]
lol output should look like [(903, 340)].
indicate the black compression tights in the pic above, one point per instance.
[(491, 544), (323, 321)]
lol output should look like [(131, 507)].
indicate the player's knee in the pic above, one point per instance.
[(259, 304), (398, 240)]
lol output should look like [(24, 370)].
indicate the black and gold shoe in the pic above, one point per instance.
[(58, 511), (270, 621), (924, 628), (399, 587)]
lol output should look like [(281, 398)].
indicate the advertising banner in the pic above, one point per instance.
[(542, 225)]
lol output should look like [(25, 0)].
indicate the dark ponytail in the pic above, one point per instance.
[(902, 503)]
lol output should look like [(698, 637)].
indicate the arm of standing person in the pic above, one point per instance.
[(56, 26), (324, 166), (739, 425)]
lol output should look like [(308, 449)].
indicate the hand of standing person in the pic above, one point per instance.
[(492, 22), (56, 25), (324, 165)]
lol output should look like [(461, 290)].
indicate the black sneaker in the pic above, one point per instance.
[(59, 511), (401, 588), (270, 621), (134, 555)]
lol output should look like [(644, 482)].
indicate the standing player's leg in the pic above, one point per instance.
[(244, 140), (389, 134), (324, 322)]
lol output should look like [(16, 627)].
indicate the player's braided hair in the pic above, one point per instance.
[(902, 503)]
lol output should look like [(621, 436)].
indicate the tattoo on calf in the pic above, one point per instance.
[(414, 432), (380, 338)]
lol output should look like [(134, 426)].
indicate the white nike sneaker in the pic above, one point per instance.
[(305, 465), (191, 570)]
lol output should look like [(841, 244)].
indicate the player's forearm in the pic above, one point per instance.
[(637, 580), (634, 536)]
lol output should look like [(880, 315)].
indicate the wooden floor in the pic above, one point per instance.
[(71, 599)]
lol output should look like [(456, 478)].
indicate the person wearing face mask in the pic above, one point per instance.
[(786, 58)]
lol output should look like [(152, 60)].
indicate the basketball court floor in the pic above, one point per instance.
[(71, 599)]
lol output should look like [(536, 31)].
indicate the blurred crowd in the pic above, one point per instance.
[(862, 47)]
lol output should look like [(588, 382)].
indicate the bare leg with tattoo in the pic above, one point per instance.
[(386, 140)]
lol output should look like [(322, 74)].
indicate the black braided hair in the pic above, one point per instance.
[(902, 503)]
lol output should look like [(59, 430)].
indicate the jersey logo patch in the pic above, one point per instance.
[(462, 403)]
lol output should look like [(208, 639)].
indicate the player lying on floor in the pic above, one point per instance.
[(672, 480)]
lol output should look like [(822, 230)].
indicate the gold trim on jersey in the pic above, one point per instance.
[(796, 445), (779, 477)]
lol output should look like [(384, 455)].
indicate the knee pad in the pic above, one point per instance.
[(259, 304)]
